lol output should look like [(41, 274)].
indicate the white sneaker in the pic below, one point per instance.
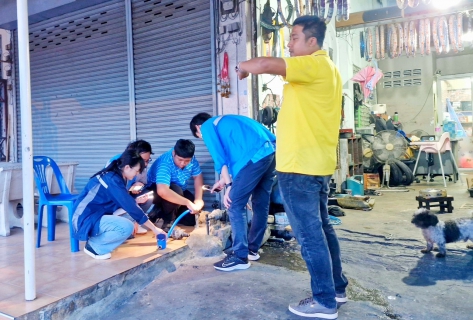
[(141, 230), (89, 251)]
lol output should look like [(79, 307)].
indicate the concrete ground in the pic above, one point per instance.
[(389, 277)]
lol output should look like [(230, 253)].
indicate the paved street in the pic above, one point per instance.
[(389, 277)]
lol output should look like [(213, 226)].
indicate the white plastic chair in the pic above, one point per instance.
[(439, 147)]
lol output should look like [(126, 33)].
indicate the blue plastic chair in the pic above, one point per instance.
[(51, 201)]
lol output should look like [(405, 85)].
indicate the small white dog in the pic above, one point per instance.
[(440, 232)]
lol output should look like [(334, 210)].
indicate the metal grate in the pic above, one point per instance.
[(71, 31)]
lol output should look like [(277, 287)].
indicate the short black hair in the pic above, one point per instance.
[(198, 120), (184, 148), (312, 26), (140, 146)]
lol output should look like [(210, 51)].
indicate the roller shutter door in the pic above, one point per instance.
[(173, 73), (79, 84)]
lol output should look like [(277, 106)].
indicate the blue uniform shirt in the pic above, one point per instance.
[(234, 140), (165, 171)]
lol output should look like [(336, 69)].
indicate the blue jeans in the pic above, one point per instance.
[(255, 180), (113, 231), (305, 201)]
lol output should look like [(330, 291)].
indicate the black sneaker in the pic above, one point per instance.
[(232, 262)]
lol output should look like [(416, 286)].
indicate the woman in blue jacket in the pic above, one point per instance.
[(105, 192)]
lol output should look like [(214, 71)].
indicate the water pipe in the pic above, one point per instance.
[(176, 221)]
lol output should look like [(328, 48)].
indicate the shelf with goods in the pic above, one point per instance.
[(350, 157), (355, 151), (362, 116)]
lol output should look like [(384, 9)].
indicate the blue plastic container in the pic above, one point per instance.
[(161, 241), (355, 184)]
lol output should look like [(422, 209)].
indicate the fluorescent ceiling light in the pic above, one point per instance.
[(443, 4)]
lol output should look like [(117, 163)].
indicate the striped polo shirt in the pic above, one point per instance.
[(165, 171)]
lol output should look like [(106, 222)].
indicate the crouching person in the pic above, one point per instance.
[(93, 220)]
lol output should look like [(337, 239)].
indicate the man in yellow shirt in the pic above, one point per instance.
[(307, 137)]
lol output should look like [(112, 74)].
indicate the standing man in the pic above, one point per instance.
[(168, 176), (243, 151), (307, 136)]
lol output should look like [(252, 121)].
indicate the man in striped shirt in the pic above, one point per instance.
[(168, 177)]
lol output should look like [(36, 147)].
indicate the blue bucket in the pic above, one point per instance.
[(355, 184)]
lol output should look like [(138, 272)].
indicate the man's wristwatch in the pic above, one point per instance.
[(237, 67), (228, 185)]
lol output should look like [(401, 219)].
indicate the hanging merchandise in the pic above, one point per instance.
[(369, 44), (421, 37), (400, 39), (367, 78), (331, 8), (275, 49), (452, 32), (413, 3), (393, 40), (224, 78), (362, 44), (315, 8), (426, 23), (459, 31), (405, 33), (307, 7), (297, 7), (381, 41), (376, 32), (443, 34), (339, 10), (345, 9), (412, 38), (402, 4), (290, 8), (266, 19), (319, 8), (435, 36)]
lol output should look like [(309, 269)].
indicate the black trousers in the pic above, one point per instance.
[(169, 211)]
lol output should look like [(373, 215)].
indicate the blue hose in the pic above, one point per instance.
[(176, 221)]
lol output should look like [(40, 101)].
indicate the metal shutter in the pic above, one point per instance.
[(173, 73), (79, 83)]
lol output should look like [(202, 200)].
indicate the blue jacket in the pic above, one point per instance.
[(102, 195), (234, 140)]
